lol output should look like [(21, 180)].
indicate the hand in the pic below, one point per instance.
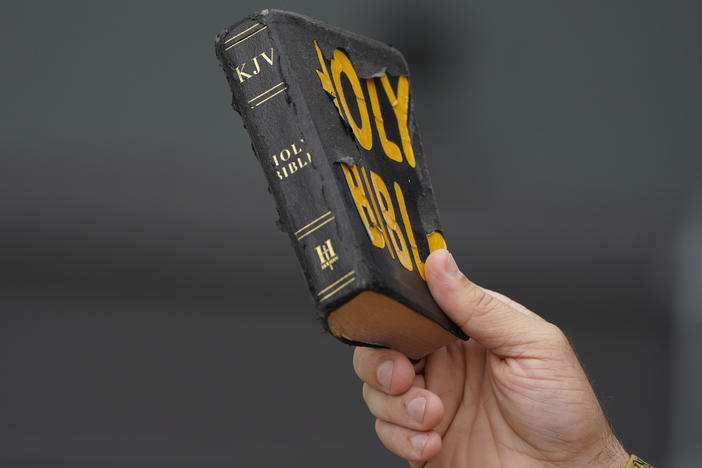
[(514, 395)]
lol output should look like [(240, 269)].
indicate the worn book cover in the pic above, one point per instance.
[(330, 116)]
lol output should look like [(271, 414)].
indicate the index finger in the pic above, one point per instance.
[(384, 369)]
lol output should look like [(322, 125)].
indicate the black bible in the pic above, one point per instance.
[(331, 120)]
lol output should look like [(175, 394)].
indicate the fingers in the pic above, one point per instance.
[(406, 443), (489, 318), (405, 411), (417, 409), (384, 369)]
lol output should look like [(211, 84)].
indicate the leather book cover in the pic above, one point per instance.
[(330, 116)]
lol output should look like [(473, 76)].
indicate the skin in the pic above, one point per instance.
[(514, 395)]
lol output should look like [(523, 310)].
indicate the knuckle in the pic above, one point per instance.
[(477, 301), (484, 302), (477, 298)]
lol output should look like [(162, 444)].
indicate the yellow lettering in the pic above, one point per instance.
[(377, 212), (400, 105), (435, 239), (394, 231), (326, 79), (363, 205), (391, 150), (341, 64)]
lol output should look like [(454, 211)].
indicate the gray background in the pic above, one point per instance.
[(152, 315)]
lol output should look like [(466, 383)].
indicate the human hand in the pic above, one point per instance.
[(514, 395)]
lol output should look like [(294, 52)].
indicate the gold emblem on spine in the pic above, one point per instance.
[(326, 254)]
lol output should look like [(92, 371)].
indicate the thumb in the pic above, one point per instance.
[(499, 325)]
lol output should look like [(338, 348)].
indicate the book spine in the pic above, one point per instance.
[(298, 173)]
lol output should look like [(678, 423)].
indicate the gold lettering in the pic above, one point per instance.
[(341, 64), (241, 74), (363, 205), (394, 230), (266, 58), (391, 150), (288, 167)]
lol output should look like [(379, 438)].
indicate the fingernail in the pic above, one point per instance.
[(419, 442), (416, 407), (451, 268), (384, 374)]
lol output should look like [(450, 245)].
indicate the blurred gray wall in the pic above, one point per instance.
[(684, 436), (152, 315)]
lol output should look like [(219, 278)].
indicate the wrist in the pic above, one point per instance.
[(611, 455), (615, 456)]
